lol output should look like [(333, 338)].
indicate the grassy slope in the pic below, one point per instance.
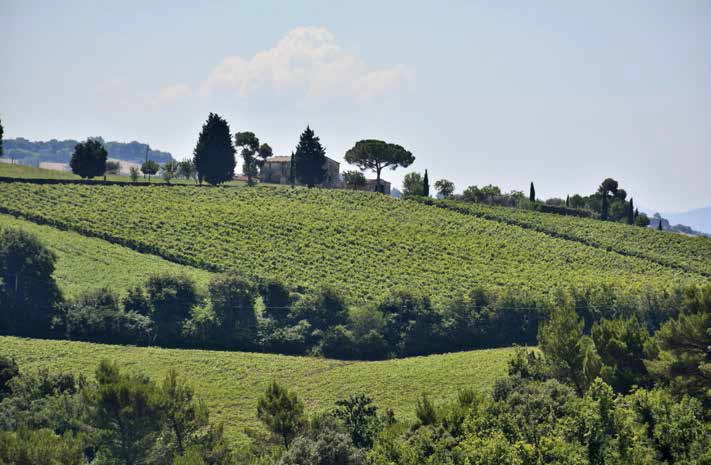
[(30, 172), (365, 243), (85, 263), (230, 382)]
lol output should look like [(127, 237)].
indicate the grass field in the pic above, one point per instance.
[(30, 172), (364, 243), (85, 263), (231, 382)]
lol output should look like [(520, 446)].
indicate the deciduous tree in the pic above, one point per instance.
[(89, 159), (444, 188), (149, 168), (354, 179)]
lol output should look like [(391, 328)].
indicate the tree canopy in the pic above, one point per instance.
[(253, 154), (310, 159), (371, 154), (89, 159), (444, 187), (214, 154)]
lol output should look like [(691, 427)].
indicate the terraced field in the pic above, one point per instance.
[(85, 263), (231, 382), (366, 244)]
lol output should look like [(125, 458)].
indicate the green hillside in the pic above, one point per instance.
[(364, 243), (30, 172), (676, 250), (230, 382), (85, 263)]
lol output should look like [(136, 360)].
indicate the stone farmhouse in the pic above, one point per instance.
[(276, 171)]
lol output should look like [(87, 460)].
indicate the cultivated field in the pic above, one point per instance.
[(231, 382), (85, 263), (364, 243)]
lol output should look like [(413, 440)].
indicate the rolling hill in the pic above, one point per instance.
[(85, 263), (363, 243), (231, 382)]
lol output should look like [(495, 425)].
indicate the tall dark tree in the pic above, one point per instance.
[(567, 201), (375, 155), (89, 159), (214, 154), (1, 132), (604, 211), (660, 227), (426, 185), (532, 193), (310, 159), (233, 299), (630, 212), (28, 293), (292, 171)]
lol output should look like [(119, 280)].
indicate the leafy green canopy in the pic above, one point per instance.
[(371, 154), (89, 159), (214, 154)]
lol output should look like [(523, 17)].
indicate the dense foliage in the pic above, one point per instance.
[(554, 407), (377, 155), (214, 154), (89, 159), (309, 159)]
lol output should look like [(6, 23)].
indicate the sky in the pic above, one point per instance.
[(560, 93)]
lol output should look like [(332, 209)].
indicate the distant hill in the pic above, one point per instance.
[(60, 151), (698, 218), (695, 222)]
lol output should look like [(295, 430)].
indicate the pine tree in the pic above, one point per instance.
[(426, 185), (214, 154), (659, 225), (292, 171), (605, 207), (1, 138), (567, 201), (532, 194), (630, 212), (310, 159)]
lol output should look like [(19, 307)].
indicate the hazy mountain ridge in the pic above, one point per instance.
[(60, 151)]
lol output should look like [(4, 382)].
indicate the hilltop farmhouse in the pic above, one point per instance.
[(276, 171)]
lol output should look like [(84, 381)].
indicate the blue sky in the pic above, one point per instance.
[(560, 93)]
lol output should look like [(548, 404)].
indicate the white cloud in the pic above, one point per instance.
[(172, 94), (306, 60)]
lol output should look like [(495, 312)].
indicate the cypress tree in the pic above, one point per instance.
[(659, 225), (0, 138), (636, 213), (532, 193), (292, 171), (567, 201), (605, 207), (214, 154), (310, 159), (426, 185), (630, 212)]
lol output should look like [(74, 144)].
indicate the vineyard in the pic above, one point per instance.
[(231, 382), (85, 263), (362, 243), (691, 254)]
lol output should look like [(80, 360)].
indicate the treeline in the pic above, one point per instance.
[(238, 312), (608, 203), (618, 396)]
